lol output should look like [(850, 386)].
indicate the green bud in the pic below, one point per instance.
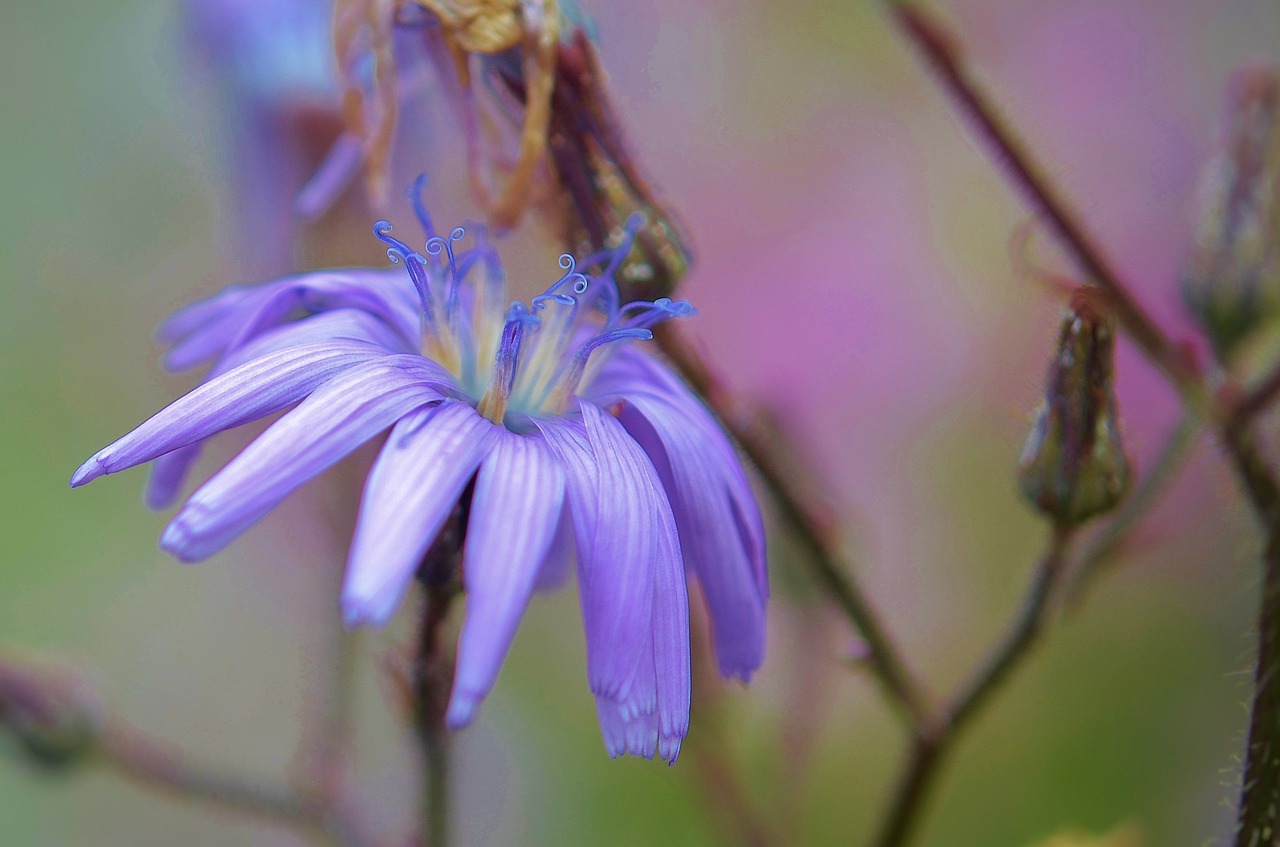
[(1073, 466), (1232, 282), (52, 718)]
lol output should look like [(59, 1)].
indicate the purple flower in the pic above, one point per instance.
[(574, 437)]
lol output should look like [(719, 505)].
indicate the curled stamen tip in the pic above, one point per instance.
[(580, 283), (382, 227), (634, 222), (436, 244)]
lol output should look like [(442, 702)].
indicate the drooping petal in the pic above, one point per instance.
[(514, 515), (626, 735), (556, 565), (634, 374), (428, 460), (343, 414), (671, 646), (611, 515), (243, 394), (711, 536), (625, 532), (663, 677)]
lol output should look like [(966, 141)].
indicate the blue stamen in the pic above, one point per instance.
[(419, 207), (649, 313), (580, 285), (414, 262), (435, 246)]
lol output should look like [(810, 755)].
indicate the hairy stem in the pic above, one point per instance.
[(1260, 789), (814, 524), (932, 744)]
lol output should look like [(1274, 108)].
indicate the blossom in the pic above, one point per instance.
[(562, 429)]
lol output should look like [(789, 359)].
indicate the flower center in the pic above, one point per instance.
[(522, 360)]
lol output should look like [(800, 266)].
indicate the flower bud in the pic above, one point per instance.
[(53, 718), (1232, 282), (1073, 466)]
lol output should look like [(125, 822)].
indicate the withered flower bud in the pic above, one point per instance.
[(51, 715), (1073, 466), (599, 183), (1232, 283)]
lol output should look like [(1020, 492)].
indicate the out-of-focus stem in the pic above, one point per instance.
[(934, 741), (816, 527), (1173, 455), (1260, 790), (155, 764), (433, 676)]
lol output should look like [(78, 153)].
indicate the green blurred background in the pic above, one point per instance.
[(853, 271)]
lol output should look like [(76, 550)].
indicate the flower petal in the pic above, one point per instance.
[(340, 416), (624, 527), (427, 462), (694, 473), (386, 294), (514, 515), (169, 472), (632, 373), (243, 394)]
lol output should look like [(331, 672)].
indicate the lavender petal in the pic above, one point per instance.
[(428, 460), (340, 416), (241, 395), (169, 472), (718, 552), (515, 512)]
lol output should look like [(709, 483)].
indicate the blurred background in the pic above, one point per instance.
[(853, 272)]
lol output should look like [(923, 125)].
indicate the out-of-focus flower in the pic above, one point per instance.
[(546, 407), (268, 69), (1232, 283), (1073, 466)]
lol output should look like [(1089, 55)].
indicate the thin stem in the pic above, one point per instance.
[(931, 746), (1260, 790), (735, 811), (1258, 398), (433, 676), (942, 51), (156, 764), (815, 526), (1173, 455)]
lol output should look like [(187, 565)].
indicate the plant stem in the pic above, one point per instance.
[(932, 744), (815, 526), (942, 52), (433, 674), (1260, 789)]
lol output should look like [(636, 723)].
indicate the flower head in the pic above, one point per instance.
[(547, 407)]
